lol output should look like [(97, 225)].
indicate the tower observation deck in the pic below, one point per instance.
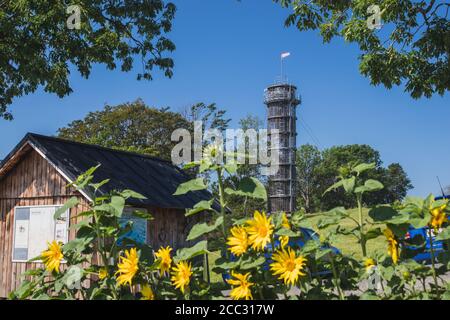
[(281, 101)]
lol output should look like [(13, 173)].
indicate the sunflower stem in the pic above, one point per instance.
[(361, 226), (336, 278), (433, 267), (222, 206)]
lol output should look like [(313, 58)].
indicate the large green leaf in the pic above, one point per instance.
[(231, 168), (189, 253), (444, 234), (117, 203), (399, 218), (24, 290), (328, 221), (364, 167), (382, 213), (132, 194), (418, 221), (72, 202), (98, 185), (84, 179), (287, 232), (191, 185), (224, 264), (333, 187), (204, 205), (349, 184), (369, 186), (337, 212), (78, 244), (202, 228), (373, 233), (322, 253), (251, 263), (249, 187)]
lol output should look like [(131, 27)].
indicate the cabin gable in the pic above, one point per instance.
[(32, 181)]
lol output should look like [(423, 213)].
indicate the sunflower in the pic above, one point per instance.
[(238, 242), (128, 267), (164, 259), (241, 286), (147, 293), (284, 240), (181, 275), (369, 263), (392, 245), (213, 153), (259, 229), (438, 216), (102, 273), (52, 256), (288, 265)]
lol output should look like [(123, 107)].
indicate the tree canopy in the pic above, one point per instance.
[(38, 49), (130, 126), (317, 170), (410, 46)]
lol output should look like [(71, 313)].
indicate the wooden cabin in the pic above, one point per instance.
[(33, 183)]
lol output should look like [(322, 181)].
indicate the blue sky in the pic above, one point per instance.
[(228, 52)]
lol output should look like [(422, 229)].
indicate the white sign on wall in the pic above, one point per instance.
[(34, 227)]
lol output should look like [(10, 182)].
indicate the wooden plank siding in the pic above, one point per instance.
[(32, 181)]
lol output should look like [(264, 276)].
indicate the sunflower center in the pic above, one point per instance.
[(290, 265), (263, 230)]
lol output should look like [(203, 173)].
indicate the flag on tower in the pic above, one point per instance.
[(285, 55)]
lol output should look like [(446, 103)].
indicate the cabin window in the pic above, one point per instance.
[(138, 231), (33, 227)]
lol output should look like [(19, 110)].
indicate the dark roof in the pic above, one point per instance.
[(152, 177)]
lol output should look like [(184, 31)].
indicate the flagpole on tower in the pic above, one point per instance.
[(283, 56), (281, 60)]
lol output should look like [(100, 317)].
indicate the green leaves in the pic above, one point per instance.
[(249, 187), (203, 228), (349, 184), (84, 179), (334, 186), (204, 205), (78, 245), (191, 185), (382, 213), (189, 253), (363, 167), (402, 53), (373, 233), (287, 232), (369, 186), (247, 264), (103, 38), (132, 194), (72, 202), (117, 203), (444, 234)]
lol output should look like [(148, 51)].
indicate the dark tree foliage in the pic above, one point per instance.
[(209, 114), (130, 126), (316, 171), (37, 49), (411, 48)]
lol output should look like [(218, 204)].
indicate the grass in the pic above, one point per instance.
[(347, 244)]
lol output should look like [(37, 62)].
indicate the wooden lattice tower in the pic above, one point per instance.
[(282, 101)]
